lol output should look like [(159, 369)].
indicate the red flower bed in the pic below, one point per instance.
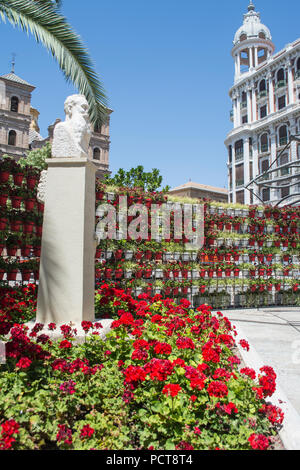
[(167, 377)]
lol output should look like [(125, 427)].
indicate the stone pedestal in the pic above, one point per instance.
[(67, 270)]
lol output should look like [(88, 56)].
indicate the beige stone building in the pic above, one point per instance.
[(200, 191), (19, 128), (15, 116)]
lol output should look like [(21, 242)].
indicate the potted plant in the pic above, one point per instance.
[(12, 245), (12, 270), (5, 168), (4, 193)]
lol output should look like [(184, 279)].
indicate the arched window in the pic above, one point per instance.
[(280, 75), (262, 35), (14, 104), (243, 37), (96, 154), (264, 143), (262, 85), (283, 135), (12, 138)]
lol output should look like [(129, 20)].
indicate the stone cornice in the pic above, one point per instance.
[(283, 57), (290, 112)]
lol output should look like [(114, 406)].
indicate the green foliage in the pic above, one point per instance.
[(137, 178), (37, 158), (42, 19)]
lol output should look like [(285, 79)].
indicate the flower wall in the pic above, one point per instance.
[(21, 219), (250, 257)]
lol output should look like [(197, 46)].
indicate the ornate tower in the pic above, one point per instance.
[(15, 117), (252, 44), (265, 113)]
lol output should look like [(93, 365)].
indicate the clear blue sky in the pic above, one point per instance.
[(166, 68)]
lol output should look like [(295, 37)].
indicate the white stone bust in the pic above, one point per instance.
[(71, 138)]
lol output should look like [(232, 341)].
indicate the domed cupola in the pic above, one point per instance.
[(252, 43)]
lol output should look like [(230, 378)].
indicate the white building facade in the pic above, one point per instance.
[(265, 114)]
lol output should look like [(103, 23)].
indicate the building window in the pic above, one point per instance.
[(281, 102), (280, 76), (96, 154), (264, 143), (283, 160), (240, 199), (263, 111), (230, 153), (283, 135), (298, 69), (12, 138), (264, 165), (244, 119), (239, 150), (285, 191), (14, 104), (265, 194), (97, 128)]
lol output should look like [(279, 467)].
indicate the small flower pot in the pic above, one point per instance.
[(26, 250), (31, 182), (12, 275), (29, 204), (16, 202), (11, 250), (28, 227), (15, 225), (37, 251), (3, 200), (18, 179), (26, 275), (39, 230), (4, 176)]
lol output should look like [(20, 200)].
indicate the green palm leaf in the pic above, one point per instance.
[(42, 19)]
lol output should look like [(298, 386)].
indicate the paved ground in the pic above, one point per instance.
[(275, 334)]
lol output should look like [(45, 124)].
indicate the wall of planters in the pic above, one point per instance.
[(251, 257), (21, 219)]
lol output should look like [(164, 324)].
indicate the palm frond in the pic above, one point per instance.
[(50, 28)]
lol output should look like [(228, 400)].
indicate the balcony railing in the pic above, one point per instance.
[(280, 84), (297, 74), (285, 171), (243, 104), (283, 141), (264, 148), (239, 155), (239, 183)]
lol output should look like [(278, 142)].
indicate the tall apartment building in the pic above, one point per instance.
[(265, 114)]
